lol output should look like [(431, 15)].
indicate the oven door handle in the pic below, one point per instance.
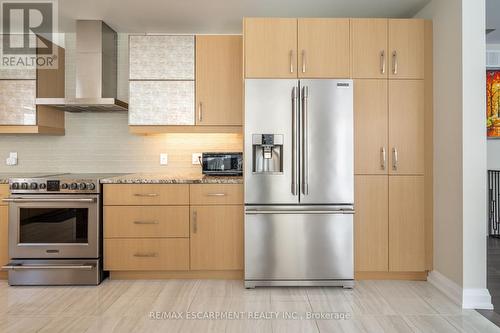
[(82, 267), (50, 200)]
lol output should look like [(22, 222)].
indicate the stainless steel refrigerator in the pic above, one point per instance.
[(299, 182)]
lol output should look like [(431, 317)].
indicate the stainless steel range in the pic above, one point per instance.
[(55, 230)]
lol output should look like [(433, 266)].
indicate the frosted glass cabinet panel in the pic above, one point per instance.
[(17, 102), (161, 57), (161, 103)]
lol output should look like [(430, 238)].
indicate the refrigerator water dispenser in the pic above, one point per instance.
[(267, 153)]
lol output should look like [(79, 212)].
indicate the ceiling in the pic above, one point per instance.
[(218, 16), (493, 21)]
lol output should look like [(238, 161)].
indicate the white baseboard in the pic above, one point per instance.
[(477, 299), (467, 298), (446, 286)]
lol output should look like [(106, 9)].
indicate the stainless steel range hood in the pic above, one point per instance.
[(96, 71)]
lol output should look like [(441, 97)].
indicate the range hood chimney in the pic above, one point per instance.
[(96, 71)]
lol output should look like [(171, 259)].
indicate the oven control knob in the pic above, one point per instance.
[(74, 186), (82, 186), (91, 186), (15, 186), (33, 186), (24, 186), (64, 186), (42, 186)]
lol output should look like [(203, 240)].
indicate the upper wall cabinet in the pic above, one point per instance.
[(406, 47), (160, 57), (290, 48), (270, 47), (369, 48), (323, 48), (219, 81)]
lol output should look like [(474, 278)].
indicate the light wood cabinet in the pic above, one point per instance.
[(371, 223), (4, 228), (216, 194), (217, 237), (370, 58), (323, 48), (146, 194), (406, 126), (270, 47), (406, 47), (371, 127), (406, 224), (219, 80)]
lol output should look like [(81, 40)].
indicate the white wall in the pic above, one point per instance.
[(460, 146), (446, 16)]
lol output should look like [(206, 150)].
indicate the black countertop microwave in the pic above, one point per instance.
[(222, 164)]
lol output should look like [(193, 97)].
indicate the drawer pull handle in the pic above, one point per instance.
[(146, 255), (146, 222), (216, 194), (150, 195)]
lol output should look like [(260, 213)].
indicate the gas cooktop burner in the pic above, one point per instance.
[(58, 183)]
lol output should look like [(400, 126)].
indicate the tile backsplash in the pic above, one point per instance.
[(101, 142)]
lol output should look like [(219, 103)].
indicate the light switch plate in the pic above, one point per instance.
[(196, 157), (163, 159)]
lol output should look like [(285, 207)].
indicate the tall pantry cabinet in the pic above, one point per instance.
[(392, 72)]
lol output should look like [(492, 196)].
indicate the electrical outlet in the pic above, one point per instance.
[(163, 159), (12, 159), (196, 158)]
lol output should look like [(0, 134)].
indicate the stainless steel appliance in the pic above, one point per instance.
[(299, 182), (55, 230), (222, 164)]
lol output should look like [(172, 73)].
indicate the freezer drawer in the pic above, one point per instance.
[(298, 246)]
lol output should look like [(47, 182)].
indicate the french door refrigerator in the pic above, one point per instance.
[(299, 182)]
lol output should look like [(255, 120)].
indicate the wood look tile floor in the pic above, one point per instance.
[(126, 306)]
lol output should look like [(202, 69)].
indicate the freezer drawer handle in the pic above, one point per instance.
[(319, 211), (16, 267)]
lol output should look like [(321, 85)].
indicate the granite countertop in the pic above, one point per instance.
[(172, 178)]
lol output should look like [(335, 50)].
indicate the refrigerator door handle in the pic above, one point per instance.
[(305, 144), (294, 140)]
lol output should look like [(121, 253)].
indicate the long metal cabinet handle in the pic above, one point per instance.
[(195, 222), (216, 194), (49, 200), (394, 159), (382, 62), (291, 61), (146, 255), (394, 62), (146, 222), (318, 211), (303, 61), (200, 112), (294, 140), (149, 195), (82, 267), (305, 144), (382, 158)]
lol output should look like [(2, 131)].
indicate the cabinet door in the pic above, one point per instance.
[(217, 237), (17, 102), (219, 81), (161, 57), (406, 224), (371, 224), (370, 127), (161, 103), (270, 47), (406, 45), (323, 48), (369, 48), (406, 126), (4, 232)]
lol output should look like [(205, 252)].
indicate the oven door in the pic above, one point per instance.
[(54, 226)]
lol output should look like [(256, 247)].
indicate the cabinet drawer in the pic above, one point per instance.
[(4, 193), (146, 194), (216, 194), (146, 254), (146, 221)]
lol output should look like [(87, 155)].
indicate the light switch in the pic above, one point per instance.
[(163, 159), (196, 158)]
